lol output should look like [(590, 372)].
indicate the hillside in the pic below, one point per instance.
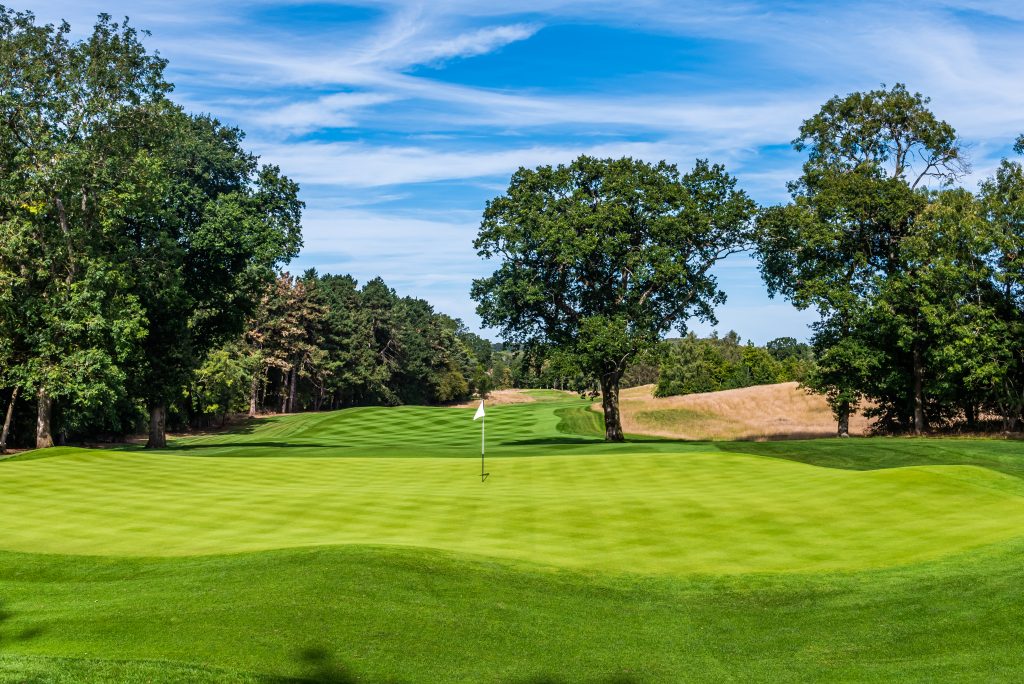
[(765, 412)]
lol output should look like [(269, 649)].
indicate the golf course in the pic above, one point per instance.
[(361, 545)]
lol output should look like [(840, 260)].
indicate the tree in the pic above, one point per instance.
[(691, 366), (602, 257), (353, 365), (757, 367), (286, 335), (66, 109), (220, 384), (994, 353), (870, 159), (795, 358), (203, 244)]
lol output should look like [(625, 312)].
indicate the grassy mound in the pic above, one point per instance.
[(779, 411)]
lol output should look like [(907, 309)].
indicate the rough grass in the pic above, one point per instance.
[(361, 546), (339, 614), (782, 411)]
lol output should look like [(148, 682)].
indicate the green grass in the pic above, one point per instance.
[(413, 615), (362, 546), (708, 512)]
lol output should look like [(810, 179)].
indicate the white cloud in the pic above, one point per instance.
[(338, 110), (469, 44)]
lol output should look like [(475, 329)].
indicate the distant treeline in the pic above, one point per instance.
[(691, 364)]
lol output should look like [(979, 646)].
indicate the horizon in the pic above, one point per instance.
[(400, 121)]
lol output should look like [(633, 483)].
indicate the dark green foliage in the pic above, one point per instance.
[(692, 365), (321, 342), (203, 257), (916, 281), (134, 238), (68, 111), (796, 358)]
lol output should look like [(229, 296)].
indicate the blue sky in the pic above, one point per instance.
[(401, 119)]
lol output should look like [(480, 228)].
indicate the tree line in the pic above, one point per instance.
[(917, 280), (691, 365), (140, 257), (321, 342)]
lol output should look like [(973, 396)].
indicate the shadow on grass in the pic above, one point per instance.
[(879, 453), (633, 439), (26, 634), (322, 667), (543, 679), (550, 441)]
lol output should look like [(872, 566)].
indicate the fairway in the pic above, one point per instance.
[(327, 517)]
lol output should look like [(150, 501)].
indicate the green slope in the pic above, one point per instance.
[(362, 546)]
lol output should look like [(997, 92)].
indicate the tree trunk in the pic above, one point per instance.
[(610, 404), (291, 389), (918, 392), (971, 415), (253, 389), (157, 426), (44, 417), (7, 421), (843, 414), (284, 391)]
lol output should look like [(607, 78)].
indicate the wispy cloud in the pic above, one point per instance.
[(359, 165)]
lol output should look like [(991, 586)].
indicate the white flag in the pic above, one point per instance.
[(479, 411)]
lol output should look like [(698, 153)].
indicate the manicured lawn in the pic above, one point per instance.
[(362, 546)]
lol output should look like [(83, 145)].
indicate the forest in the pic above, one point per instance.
[(144, 253)]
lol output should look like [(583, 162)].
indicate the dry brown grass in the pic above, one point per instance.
[(782, 411), (499, 397)]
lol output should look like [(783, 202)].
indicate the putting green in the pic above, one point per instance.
[(694, 511)]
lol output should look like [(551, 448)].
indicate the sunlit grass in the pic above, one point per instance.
[(361, 546)]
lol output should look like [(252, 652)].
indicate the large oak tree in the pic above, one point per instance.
[(601, 257)]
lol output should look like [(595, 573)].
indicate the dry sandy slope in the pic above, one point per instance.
[(765, 412), (517, 396)]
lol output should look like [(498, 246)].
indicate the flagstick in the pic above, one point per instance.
[(483, 421)]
